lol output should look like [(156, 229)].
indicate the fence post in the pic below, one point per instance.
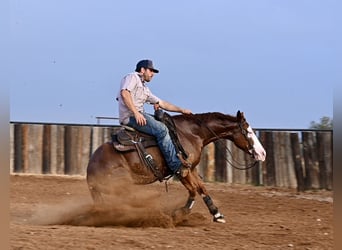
[(269, 164), (229, 158), (210, 162), (70, 156), (238, 159), (18, 148), (290, 161), (324, 146), (207, 162), (252, 174), (84, 145), (220, 160), (32, 139), (46, 168), (310, 160), (60, 161), (297, 162)]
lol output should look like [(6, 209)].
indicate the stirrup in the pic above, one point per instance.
[(182, 172)]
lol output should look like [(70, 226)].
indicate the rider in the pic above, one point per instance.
[(132, 96)]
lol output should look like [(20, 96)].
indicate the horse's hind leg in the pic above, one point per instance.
[(96, 195)]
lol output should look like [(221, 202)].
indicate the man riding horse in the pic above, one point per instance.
[(112, 162), (132, 96)]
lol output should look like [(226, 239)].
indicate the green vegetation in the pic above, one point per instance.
[(325, 123)]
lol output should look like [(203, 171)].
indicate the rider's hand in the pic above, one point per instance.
[(156, 106), (186, 111), (140, 119)]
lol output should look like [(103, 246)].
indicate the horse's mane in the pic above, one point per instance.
[(204, 117)]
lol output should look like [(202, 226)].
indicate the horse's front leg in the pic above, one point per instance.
[(194, 184), (217, 216), (189, 185)]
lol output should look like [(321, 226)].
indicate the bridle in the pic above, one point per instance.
[(250, 148)]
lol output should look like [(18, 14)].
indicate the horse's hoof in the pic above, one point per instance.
[(219, 218)]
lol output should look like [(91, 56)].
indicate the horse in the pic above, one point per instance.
[(195, 131)]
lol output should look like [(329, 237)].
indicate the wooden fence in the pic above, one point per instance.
[(299, 159)]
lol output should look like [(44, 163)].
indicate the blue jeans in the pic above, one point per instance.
[(161, 133)]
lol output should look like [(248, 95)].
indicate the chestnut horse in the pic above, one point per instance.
[(107, 165)]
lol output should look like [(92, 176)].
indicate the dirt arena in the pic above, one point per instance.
[(56, 212)]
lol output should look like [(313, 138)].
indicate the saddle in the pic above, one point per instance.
[(128, 139)]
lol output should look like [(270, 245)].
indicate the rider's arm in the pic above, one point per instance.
[(171, 107)]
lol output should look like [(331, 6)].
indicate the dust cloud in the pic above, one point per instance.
[(127, 205)]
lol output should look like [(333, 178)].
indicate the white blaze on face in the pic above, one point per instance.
[(259, 151)]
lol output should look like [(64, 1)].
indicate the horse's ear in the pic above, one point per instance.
[(239, 115)]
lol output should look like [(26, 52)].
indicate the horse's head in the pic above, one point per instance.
[(246, 139)]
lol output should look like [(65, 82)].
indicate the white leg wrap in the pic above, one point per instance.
[(192, 204), (218, 217)]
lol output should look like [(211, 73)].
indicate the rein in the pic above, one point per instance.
[(251, 165)]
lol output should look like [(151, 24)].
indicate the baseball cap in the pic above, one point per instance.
[(147, 64)]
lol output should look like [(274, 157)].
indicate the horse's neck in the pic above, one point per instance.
[(213, 132), (209, 127)]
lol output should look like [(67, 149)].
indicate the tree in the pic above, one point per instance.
[(325, 123)]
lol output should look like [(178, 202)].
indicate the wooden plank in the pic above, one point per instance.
[(97, 136), (291, 180), (269, 165), (279, 159), (207, 163), (311, 167), (34, 149), (284, 166), (253, 173), (324, 146), (106, 134), (46, 148), (79, 168), (60, 155), (297, 162), (24, 149), (220, 161), (238, 160), (202, 165), (262, 165), (18, 148), (230, 144), (11, 148), (70, 154), (328, 158), (53, 149), (285, 176), (248, 172), (84, 149), (211, 161)]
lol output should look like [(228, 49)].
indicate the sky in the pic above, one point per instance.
[(276, 61)]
